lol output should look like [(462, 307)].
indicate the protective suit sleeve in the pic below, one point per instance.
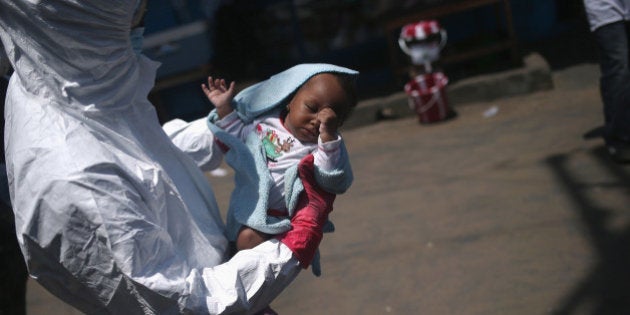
[(197, 141), (120, 260)]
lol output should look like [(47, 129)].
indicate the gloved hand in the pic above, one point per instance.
[(313, 207)]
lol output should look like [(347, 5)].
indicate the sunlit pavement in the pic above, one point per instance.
[(505, 209)]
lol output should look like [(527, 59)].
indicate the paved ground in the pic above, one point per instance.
[(509, 214), (512, 214)]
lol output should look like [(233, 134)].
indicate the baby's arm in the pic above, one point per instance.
[(332, 171), (328, 155), (332, 165), (224, 116), (220, 95)]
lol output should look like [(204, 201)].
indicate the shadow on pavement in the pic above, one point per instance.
[(605, 289)]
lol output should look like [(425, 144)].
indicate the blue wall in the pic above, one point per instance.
[(533, 20)]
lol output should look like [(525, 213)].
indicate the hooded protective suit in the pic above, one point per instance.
[(110, 215)]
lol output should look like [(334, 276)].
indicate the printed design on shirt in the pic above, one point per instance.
[(272, 146)]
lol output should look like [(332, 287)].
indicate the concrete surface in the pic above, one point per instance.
[(508, 214), (511, 214), (534, 75)]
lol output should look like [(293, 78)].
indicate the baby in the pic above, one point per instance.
[(279, 131)]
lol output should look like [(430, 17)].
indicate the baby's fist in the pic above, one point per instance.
[(328, 124)]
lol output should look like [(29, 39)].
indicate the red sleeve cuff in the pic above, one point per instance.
[(303, 238), (311, 213)]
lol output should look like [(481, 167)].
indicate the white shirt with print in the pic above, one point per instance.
[(282, 149)]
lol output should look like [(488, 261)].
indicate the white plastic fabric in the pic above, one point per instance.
[(195, 139), (602, 12), (110, 215)]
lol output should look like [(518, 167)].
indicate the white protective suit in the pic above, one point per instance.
[(110, 215)]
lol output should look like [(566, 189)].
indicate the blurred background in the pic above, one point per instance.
[(248, 40)]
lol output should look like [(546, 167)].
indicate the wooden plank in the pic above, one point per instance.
[(478, 52), (199, 73), (434, 12)]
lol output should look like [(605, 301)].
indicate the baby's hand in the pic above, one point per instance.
[(328, 124), (220, 95)]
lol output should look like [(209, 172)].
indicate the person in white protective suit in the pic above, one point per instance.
[(111, 217)]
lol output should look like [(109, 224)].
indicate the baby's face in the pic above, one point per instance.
[(319, 92)]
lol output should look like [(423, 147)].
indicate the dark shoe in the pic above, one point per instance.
[(267, 311), (619, 153), (595, 133)]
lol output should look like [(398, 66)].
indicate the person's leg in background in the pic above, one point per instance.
[(612, 40), (13, 273)]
